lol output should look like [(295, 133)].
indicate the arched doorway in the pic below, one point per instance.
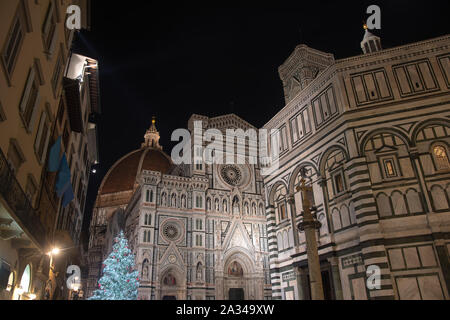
[(172, 285), (235, 281)]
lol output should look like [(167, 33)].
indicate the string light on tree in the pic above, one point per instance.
[(119, 281)]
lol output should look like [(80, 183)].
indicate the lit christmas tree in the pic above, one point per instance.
[(119, 280)]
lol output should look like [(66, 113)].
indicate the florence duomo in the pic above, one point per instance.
[(191, 154)]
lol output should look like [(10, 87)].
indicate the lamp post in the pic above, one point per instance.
[(309, 225)]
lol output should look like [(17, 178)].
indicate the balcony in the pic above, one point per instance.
[(20, 207)]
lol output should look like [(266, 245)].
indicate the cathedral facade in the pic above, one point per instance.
[(370, 134), (198, 231)]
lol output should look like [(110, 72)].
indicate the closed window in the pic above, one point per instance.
[(198, 240), (14, 42), (49, 30), (42, 138), (30, 101), (282, 212), (300, 126), (338, 180), (57, 73)]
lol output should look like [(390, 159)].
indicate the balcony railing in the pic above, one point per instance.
[(19, 203)]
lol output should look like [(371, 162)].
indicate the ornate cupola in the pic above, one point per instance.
[(152, 137), (371, 43), (301, 68)]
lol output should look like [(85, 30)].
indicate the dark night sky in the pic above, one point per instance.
[(175, 60)]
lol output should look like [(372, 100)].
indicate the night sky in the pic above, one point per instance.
[(178, 59)]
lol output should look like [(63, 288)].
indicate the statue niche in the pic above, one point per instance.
[(145, 269), (236, 208)]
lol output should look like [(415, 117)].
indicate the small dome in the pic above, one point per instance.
[(122, 176), (371, 43)]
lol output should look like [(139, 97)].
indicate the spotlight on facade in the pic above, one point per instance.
[(55, 251), (32, 296), (94, 171)]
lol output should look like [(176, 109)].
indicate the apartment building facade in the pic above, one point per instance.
[(35, 48)]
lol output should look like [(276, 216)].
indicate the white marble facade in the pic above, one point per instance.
[(371, 133)]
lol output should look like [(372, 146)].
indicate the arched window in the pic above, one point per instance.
[(398, 202), (151, 195), (280, 242), (225, 206), (285, 240), (280, 203), (147, 235), (384, 205), (25, 282), (440, 156), (439, 198)]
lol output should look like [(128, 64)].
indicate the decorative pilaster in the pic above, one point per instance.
[(371, 235), (275, 276)]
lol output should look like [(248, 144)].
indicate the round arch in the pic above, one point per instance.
[(422, 125), (392, 131), (274, 189), (241, 256), (296, 172), (324, 158)]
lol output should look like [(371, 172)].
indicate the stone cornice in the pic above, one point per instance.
[(342, 65)]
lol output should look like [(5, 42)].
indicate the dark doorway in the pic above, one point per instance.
[(328, 291), (236, 294), (169, 298)]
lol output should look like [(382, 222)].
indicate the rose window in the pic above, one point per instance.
[(231, 175), (171, 232)]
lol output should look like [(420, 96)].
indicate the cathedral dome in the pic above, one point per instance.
[(123, 174)]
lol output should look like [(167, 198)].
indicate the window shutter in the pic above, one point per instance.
[(70, 39), (53, 43), (39, 133), (35, 112), (44, 153), (26, 93), (48, 19)]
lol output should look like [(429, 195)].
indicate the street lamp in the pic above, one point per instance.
[(309, 225), (54, 252)]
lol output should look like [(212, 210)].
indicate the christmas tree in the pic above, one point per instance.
[(119, 280)]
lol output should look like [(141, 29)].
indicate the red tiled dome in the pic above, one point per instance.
[(122, 175)]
